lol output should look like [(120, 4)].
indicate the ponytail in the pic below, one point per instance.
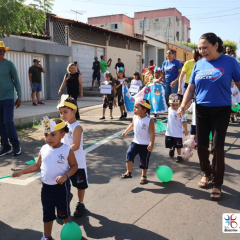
[(213, 39)]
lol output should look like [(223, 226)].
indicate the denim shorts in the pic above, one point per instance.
[(37, 87)]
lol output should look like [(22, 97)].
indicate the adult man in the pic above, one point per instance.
[(35, 72), (96, 72), (77, 65), (8, 80), (229, 50), (120, 64), (104, 65)]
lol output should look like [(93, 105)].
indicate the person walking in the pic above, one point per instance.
[(77, 67), (96, 72), (104, 65), (119, 64), (73, 80), (8, 81), (211, 81), (171, 72), (35, 78)]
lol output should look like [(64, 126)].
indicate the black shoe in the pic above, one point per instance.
[(80, 210), (16, 150), (232, 120), (171, 153), (122, 117), (111, 117), (101, 118), (125, 114), (179, 159), (5, 150)]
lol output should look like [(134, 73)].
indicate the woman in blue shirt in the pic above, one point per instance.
[(171, 69), (211, 80)]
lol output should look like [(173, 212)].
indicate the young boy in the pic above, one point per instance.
[(176, 126), (234, 91)]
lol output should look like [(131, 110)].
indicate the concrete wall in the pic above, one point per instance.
[(128, 57), (180, 53)]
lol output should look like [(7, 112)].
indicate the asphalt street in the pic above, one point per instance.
[(122, 208)]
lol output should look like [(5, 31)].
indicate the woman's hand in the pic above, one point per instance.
[(173, 83), (17, 174), (181, 112), (124, 134), (150, 147), (81, 95), (61, 179), (179, 89), (60, 92)]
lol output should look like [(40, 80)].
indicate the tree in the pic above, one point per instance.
[(230, 43), (191, 45), (15, 17)]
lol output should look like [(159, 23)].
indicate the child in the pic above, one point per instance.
[(108, 99), (148, 78), (143, 141), (174, 133), (192, 109), (67, 108), (157, 75), (119, 82), (57, 163), (136, 81), (234, 91)]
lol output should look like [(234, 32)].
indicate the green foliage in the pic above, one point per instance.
[(15, 17), (230, 43), (191, 45)]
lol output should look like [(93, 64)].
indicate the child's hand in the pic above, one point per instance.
[(186, 132), (150, 148), (124, 134), (17, 174), (61, 179)]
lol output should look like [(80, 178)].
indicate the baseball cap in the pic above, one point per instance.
[(102, 56), (96, 57), (35, 60)]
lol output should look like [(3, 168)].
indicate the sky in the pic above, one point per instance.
[(219, 16)]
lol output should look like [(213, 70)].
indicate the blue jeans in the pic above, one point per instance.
[(7, 128), (169, 90)]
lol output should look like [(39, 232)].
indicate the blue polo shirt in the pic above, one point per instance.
[(171, 69), (213, 80)]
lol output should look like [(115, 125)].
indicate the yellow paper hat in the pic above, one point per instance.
[(2, 45), (64, 103), (51, 126)]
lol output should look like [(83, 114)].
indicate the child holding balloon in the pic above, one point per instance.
[(67, 108), (143, 141), (175, 128), (57, 163)]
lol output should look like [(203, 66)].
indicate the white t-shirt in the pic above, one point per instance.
[(174, 124), (68, 140), (54, 163), (141, 130), (192, 109), (136, 82), (235, 99)]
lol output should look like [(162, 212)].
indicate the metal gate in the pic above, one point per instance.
[(22, 62), (84, 55)]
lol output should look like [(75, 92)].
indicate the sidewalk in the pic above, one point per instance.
[(27, 113)]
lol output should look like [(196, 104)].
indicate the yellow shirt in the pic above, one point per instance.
[(187, 68)]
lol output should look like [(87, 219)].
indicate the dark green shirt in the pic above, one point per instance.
[(36, 74)]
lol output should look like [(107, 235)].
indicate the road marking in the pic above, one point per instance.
[(34, 177)]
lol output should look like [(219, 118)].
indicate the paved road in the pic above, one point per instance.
[(122, 208)]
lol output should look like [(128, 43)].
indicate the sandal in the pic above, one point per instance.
[(216, 193), (210, 178), (143, 180), (126, 175)]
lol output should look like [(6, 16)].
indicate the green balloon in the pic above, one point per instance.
[(210, 136), (71, 231), (164, 173)]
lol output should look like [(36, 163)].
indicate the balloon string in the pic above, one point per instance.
[(68, 189), (6, 176)]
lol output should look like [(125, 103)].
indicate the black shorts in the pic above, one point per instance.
[(79, 179), (108, 101), (193, 130), (94, 76), (120, 100), (144, 154), (173, 142), (55, 197)]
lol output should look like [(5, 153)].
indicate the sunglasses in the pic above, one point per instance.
[(3, 51)]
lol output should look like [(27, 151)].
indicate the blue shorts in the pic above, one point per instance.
[(79, 179), (96, 76), (55, 196), (193, 130), (37, 87), (173, 142), (144, 154)]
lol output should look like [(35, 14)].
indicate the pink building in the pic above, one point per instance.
[(165, 24)]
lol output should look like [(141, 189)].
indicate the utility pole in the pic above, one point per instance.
[(144, 45), (143, 32)]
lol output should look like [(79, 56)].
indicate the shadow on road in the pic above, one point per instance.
[(114, 229)]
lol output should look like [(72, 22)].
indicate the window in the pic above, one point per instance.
[(178, 23), (102, 26), (156, 20), (177, 35), (141, 24), (114, 26)]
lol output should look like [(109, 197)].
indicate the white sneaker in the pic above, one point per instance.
[(111, 117), (46, 238)]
